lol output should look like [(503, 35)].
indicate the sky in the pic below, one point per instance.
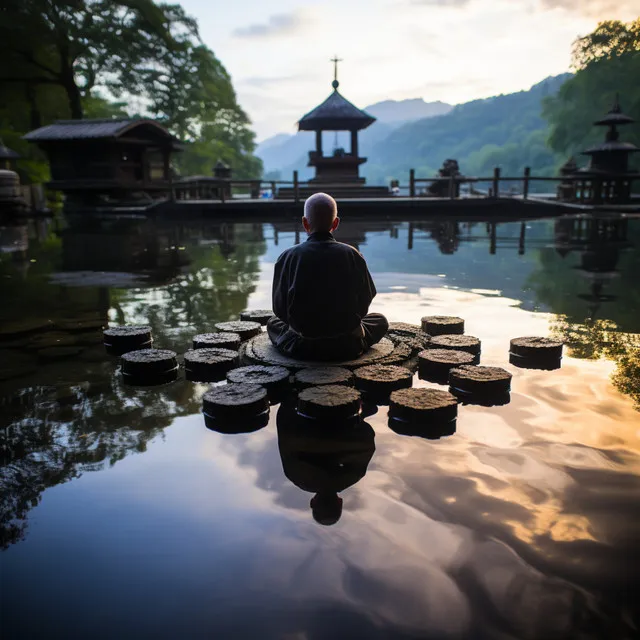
[(278, 53)]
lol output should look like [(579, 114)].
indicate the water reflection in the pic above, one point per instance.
[(323, 459), (522, 524)]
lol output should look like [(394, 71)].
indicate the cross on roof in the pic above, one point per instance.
[(335, 61)]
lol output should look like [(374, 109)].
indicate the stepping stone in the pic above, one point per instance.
[(236, 408), (534, 352), (401, 353), (418, 406), (329, 402), (435, 364), (457, 343), (121, 339), (149, 366), (220, 340), (244, 329), (473, 381), (319, 376), (261, 351), (209, 365), (407, 330), (442, 325), (261, 316), (274, 379), (379, 380)]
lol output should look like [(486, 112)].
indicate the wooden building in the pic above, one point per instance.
[(112, 159)]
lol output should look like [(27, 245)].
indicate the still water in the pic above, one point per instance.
[(122, 516)]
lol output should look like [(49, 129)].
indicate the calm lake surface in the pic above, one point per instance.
[(123, 516)]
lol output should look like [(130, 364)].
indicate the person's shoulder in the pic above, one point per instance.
[(347, 248), (286, 253)]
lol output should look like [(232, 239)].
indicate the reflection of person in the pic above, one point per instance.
[(323, 459), (322, 290)]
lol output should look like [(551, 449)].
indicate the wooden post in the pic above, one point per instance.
[(452, 187), (410, 239), (275, 236), (525, 185), (222, 191), (296, 188), (273, 190), (412, 183), (523, 227), (492, 246), (496, 182)]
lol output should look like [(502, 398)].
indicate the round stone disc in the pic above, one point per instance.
[(457, 343), (260, 350), (217, 340), (149, 362), (268, 377), (435, 364), (381, 379), (423, 405), (442, 325), (130, 333), (257, 315), (209, 365), (318, 376), (244, 329), (480, 380), (329, 402), (535, 347), (235, 401)]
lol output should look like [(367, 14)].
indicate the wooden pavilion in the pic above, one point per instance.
[(110, 158)]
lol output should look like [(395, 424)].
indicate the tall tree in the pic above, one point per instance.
[(606, 61), (163, 71)]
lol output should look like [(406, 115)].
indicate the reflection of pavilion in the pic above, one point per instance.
[(599, 242)]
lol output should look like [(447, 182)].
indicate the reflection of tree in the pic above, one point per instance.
[(59, 436), (595, 339)]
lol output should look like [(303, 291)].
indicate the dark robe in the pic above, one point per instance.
[(322, 290)]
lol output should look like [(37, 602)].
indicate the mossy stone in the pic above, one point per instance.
[(442, 325), (244, 329), (221, 340), (319, 376), (329, 402)]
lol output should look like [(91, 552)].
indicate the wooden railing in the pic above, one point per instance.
[(206, 188)]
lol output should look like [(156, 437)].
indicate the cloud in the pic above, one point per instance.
[(277, 24), (595, 8), (260, 82)]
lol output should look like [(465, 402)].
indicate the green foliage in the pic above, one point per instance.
[(611, 39), (60, 59), (607, 60)]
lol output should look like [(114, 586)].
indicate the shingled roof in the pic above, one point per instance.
[(615, 116), (93, 129), (336, 113)]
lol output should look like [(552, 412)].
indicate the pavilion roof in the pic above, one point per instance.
[(104, 128), (6, 153), (336, 113)]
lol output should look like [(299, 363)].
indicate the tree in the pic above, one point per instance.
[(606, 61), (74, 48)]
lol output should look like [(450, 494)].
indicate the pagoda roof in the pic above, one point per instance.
[(615, 116), (612, 146), (103, 128), (336, 113)]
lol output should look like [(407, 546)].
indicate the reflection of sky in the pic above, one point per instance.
[(520, 525)]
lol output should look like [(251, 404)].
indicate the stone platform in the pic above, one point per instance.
[(259, 350)]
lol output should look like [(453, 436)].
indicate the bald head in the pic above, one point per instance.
[(320, 213)]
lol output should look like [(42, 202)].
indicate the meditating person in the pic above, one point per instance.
[(322, 290)]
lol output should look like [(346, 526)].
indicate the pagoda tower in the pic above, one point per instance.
[(608, 173), (336, 113)]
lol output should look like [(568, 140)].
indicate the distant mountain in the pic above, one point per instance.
[(505, 130), (398, 112), (284, 152)]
